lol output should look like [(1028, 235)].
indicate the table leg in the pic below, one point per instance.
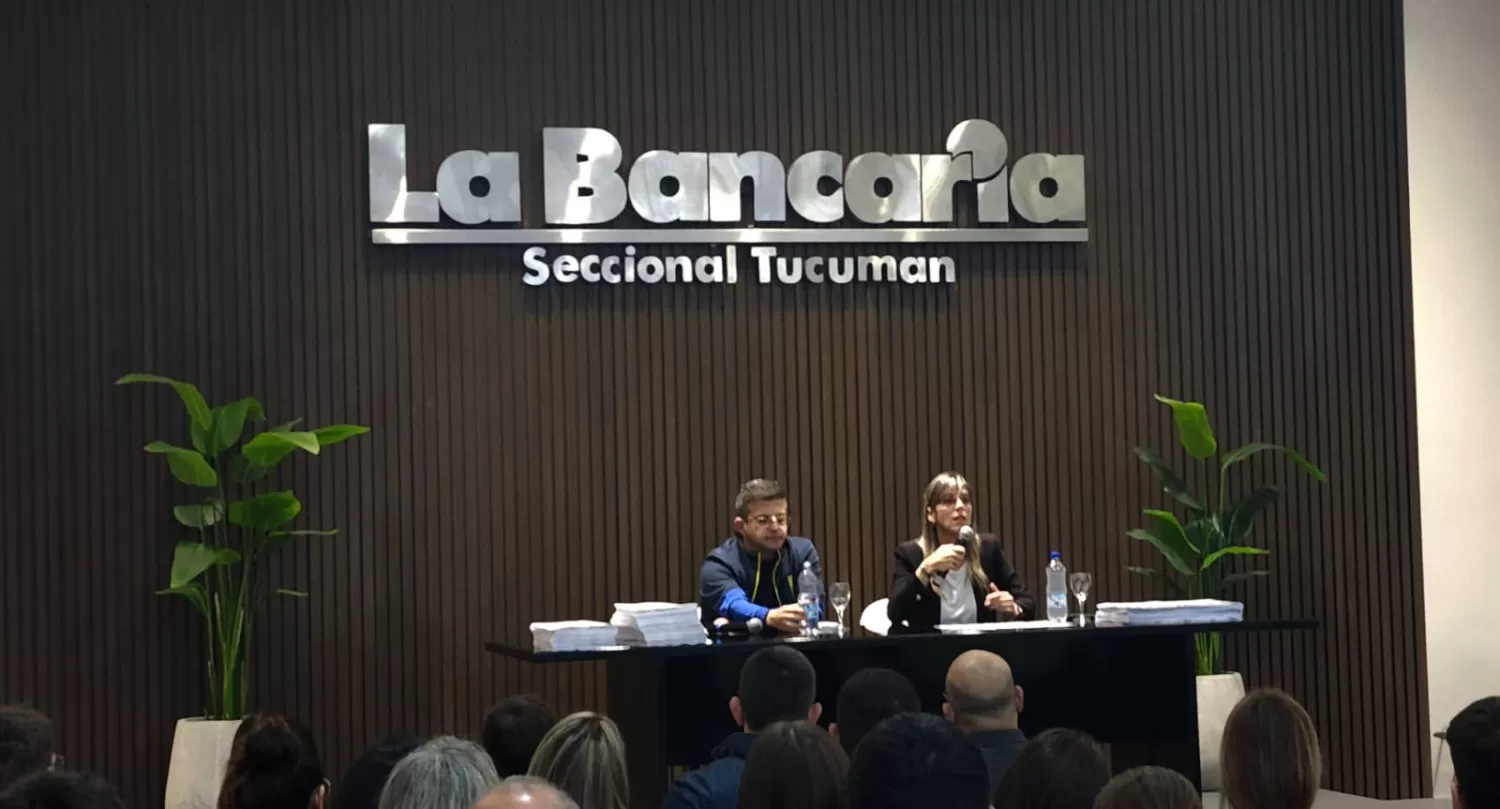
[(633, 685)]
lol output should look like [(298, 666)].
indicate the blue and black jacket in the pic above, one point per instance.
[(731, 580)]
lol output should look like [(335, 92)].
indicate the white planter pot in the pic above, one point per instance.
[(200, 750), (1217, 696)]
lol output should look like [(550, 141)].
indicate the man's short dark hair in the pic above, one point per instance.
[(756, 491), (61, 790), (870, 697), (25, 743), (914, 759), (513, 730), (1057, 768), (362, 782), (1474, 738), (777, 684)]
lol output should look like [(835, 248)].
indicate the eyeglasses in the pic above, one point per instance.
[(764, 520)]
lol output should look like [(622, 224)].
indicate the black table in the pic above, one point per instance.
[(1130, 687)]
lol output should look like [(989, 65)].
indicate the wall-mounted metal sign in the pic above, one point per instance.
[(908, 196)]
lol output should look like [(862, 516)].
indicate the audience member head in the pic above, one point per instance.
[(1149, 788), (981, 694), (273, 764), (777, 684), (1058, 769), (1474, 738), (445, 773), (513, 729), (25, 743), (912, 760), (584, 756), (360, 787), (794, 765), (1269, 758), (61, 790), (866, 699), (525, 792)]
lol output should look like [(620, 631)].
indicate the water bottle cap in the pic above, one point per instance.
[(1056, 554)]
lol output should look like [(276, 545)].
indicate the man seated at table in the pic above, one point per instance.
[(777, 684), (983, 701), (751, 578)]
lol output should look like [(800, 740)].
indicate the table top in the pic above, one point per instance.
[(1071, 631)]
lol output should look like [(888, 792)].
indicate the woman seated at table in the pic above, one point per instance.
[(938, 580)]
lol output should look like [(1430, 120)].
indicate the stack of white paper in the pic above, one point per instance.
[(656, 623), (571, 636), (1158, 613)]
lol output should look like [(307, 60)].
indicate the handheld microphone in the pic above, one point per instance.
[(968, 539)]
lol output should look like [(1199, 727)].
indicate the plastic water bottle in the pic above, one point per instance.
[(809, 597), (1057, 590)]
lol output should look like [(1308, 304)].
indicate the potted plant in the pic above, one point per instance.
[(238, 521), (1197, 553)]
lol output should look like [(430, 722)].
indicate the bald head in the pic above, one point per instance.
[(982, 694), (525, 792)]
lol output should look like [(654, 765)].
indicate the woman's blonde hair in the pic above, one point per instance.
[(584, 756), (945, 488), (1269, 758)]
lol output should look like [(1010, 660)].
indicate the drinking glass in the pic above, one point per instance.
[(838, 595), (1080, 583)]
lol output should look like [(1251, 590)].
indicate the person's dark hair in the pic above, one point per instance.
[(61, 790), (777, 684), (794, 765), (911, 760), (25, 743), (273, 764), (756, 491), (869, 697), (513, 729), (1474, 738), (1269, 758), (1057, 769), (360, 787), (1149, 788)]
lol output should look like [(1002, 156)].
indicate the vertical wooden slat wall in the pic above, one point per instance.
[(183, 190)]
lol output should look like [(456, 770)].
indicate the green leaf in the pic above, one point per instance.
[(197, 407), (1193, 431), (1232, 550), (1170, 483), (243, 470), (187, 465), (1255, 449), (193, 592), (229, 422), (276, 539), (292, 593), (1241, 515), (336, 433), (192, 558), (199, 516), (281, 428), (265, 511), (268, 448), (1239, 577), (1153, 573), (1171, 547)]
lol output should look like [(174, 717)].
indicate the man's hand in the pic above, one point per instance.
[(789, 619), (1002, 602), (944, 559)]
